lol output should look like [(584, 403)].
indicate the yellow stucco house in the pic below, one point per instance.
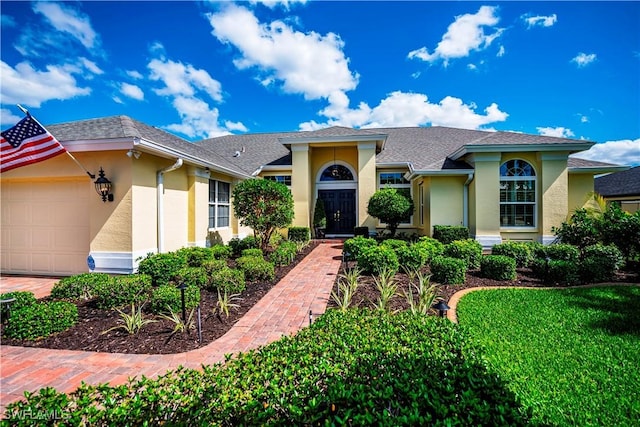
[(170, 193)]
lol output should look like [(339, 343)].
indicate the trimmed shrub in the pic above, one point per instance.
[(195, 256), (411, 257), (357, 245), (449, 233), (450, 271), (161, 267), (41, 320), (299, 234), (430, 246), (191, 276), (211, 267), (168, 297), (376, 259), (256, 268), (237, 245), (394, 244), (227, 279), (221, 251), (600, 263), (252, 252), (555, 271), (498, 267), (469, 250), (519, 251), (121, 290), (284, 254), (558, 252), (22, 299), (80, 286)]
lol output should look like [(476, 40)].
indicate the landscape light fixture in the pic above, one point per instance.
[(442, 307), (103, 187)]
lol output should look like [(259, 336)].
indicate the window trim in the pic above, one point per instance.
[(216, 203), (274, 177), (532, 178)]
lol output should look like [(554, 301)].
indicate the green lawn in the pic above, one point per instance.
[(571, 355)]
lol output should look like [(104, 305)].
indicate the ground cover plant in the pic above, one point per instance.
[(354, 367), (571, 355)]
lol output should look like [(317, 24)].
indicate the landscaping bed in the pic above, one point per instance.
[(157, 337)]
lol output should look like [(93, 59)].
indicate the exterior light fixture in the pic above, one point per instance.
[(134, 153), (442, 307), (103, 186)]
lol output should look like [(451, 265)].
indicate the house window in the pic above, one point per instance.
[(336, 173), (396, 180), (219, 206), (282, 179), (517, 194)]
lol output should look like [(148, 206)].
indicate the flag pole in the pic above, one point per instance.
[(25, 111)]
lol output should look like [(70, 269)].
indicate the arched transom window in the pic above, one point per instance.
[(336, 173), (517, 194)]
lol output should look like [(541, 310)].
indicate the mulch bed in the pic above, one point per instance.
[(157, 337)]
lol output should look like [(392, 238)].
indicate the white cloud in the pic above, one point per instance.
[(623, 152), (540, 20), (131, 91), (501, 52), (303, 63), (271, 4), (70, 21), (584, 59), (91, 66), (583, 118), (26, 85), (183, 80), (7, 118), (7, 21), (134, 74), (409, 109), (558, 132), (465, 34)]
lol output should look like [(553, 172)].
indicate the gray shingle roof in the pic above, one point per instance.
[(625, 183)]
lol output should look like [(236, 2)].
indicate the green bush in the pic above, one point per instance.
[(519, 251), (252, 252), (80, 286), (168, 297), (555, 271), (498, 267), (161, 267), (600, 262), (391, 206), (256, 268), (191, 276), (394, 244), (211, 267), (221, 251), (449, 233), (376, 259), (430, 246), (469, 250), (22, 299), (237, 245), (299, 234), (195, 256), (231, 280), (41, 320), (447, 270), (284, 254), (558, 252), (121, 290), (356, 245), (412, 257), (358, 367)]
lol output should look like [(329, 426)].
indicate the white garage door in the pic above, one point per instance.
[(45, 227)]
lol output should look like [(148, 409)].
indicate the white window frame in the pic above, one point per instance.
[(280, 178), (216, 203), (408, 185), (531, 178)]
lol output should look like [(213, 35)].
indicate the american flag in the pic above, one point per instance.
[(25, 143)]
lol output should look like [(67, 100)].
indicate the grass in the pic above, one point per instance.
[(571, 355)]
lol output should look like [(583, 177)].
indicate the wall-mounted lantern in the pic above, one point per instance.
[(103, 186)]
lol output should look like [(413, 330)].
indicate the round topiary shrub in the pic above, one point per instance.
[(256, 268), (519, 251), (227, 279), (41, 320), (168, 298), (377, 259), (161, 267), (446, 270), (600, 262), (355, 246), (80, 286), (121, 290), (498, 267), (469, 250), (411, 257)]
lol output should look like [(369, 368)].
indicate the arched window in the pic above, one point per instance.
[(336, 173), (517, 194)]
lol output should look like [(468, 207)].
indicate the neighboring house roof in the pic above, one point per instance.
[(625, 183), (123, 127)]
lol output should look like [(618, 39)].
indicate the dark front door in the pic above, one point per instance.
[(340, 206)]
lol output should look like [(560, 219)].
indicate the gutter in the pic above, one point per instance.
[(465, 200), (160, 188)]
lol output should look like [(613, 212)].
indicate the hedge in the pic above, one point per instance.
[(469, 250), (299, 234), (80, 286), (447, 270), (121, 290), (41, 320), (449, 233), (498, 267), (377, 259)]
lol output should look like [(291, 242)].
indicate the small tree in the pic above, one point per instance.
[(264, 206), (390, 207)]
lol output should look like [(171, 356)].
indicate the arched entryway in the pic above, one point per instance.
[(336, 186)]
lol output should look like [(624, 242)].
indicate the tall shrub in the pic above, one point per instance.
[(390, 207)]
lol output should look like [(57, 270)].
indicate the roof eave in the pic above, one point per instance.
[(438, 172), (511, 148), (595, 170), (379, 139)]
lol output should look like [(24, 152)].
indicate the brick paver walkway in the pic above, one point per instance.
[(282, 311)]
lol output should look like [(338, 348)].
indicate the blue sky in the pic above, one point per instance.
[(202, 69)]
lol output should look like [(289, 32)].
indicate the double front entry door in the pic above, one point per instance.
[(340, 207)]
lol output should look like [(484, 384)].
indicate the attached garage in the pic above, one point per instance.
[(45, 227)]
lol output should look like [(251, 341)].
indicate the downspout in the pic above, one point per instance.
[(465, 201), (160, 187)]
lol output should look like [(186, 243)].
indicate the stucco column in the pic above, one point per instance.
[(300, 185), (198, 216), (553, 193), (484, 217), (367, 182)]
